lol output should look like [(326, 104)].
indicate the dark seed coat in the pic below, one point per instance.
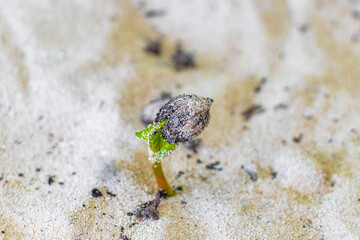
[(187, 116)]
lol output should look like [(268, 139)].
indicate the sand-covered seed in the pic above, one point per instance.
[(187, 116)]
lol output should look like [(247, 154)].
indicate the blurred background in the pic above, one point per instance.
[(78, 78)]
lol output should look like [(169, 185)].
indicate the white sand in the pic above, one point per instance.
[(73, 79)]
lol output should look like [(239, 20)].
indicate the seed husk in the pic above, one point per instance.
[(187, 116)]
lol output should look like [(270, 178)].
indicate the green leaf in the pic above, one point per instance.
[(144, 134), (159, 146)]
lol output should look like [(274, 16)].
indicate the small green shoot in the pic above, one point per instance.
[(159, 148)]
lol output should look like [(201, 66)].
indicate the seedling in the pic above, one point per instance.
[(181, 119)]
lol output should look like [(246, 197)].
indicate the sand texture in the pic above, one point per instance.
[(285, 122)]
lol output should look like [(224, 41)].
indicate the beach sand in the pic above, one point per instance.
[(74, 77)]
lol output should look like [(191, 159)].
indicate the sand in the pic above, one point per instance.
[(74, 78)]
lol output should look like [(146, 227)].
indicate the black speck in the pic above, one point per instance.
[(179, 188), (154, 13), (2, 232), (188, 155), (129, 214), (298, 138), (183, 202), (96, 193), (274, 174), (213, 166), (84, 205), (198, 161), (61, 183), (73, 173), (51, 179), (104, 214), (111, 194), (21, 175)]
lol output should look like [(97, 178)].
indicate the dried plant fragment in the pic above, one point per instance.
[(149, 210)]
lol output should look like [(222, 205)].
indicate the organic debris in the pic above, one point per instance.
[(149, 210), (181, 59)]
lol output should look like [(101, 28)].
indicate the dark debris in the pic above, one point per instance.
[(252, 174), (258, 88), (154, 13), (110, 194), (181, 59), (149, 210), (213, 166), (96, 193), (153, 47), (180, 173), (251, 111), (51, 179), (298, 138)]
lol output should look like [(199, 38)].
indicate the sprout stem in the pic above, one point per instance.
[(161, 180)]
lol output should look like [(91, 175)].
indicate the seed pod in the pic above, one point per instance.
[(187, 116)]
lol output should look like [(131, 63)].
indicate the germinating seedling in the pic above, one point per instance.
[(181, 119)]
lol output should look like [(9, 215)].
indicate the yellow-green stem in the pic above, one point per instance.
[(161, 180)]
